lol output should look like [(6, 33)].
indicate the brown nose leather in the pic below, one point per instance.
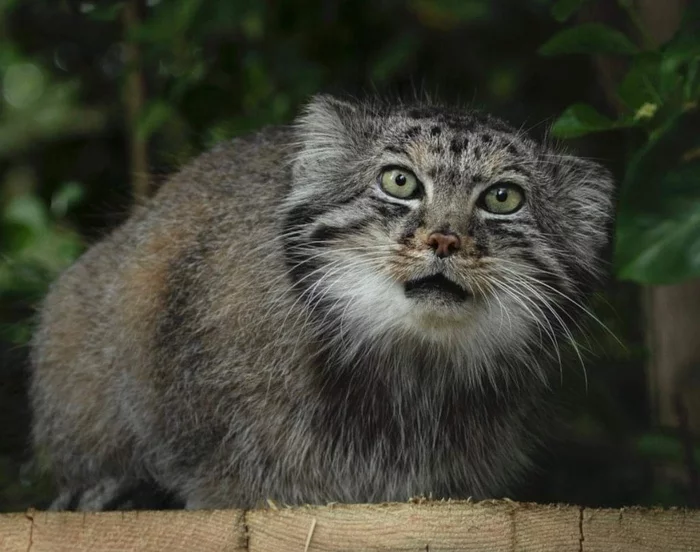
[(444, 244)]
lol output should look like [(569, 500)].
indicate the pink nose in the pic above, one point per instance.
[(444, 245)]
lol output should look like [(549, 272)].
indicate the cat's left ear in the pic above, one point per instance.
[(584, 193)]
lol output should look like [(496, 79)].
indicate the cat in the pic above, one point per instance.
[(362, 306)]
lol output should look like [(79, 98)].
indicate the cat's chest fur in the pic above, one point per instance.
[(365, 436)]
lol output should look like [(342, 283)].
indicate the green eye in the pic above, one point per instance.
[(399, 183), (502, 199)]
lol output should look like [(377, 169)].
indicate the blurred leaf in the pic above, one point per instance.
[(448, 14), (679, 67), (579, 120), (666, 447), (253, 25), (503, 82), (6, 5), (658, 225), (155, 114), (641, 83), (394, 57), (27, 211), (682, 48), (168, 23), (106, 13), (691, 87), (69, 195), (42, 258), (23, 85), (588, 38), (31, 121), (563, 9)]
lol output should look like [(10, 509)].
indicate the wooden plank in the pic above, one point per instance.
[(493, 526), (175, 531), (499, 526), (641, 530)]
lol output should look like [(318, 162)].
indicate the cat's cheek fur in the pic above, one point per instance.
[(373, 309)]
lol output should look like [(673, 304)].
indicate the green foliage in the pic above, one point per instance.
[(447, 14), (658, 224), (37, 245), (216, 69), (564, 9), (665, 447), (588, 38), (35, 108), (581, 119)]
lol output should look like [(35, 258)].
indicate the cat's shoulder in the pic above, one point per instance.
[(251, 165)]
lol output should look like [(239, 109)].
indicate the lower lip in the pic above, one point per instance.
[(426, 291)]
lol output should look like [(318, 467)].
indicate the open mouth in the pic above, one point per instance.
[(437, 284)]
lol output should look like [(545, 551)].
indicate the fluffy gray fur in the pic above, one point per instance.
[(248, 334)]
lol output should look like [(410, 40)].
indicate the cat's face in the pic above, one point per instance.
[(444, 226)]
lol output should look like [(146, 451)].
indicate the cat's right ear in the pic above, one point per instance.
[(326, 141)]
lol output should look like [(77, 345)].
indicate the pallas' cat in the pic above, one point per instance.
[(362, 306)]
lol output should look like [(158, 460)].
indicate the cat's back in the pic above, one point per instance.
[(235, 188), (202, 237)]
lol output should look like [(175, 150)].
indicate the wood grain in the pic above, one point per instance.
[(215, 531), (499, 526)]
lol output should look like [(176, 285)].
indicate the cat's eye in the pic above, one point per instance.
[(400, 183), (502, 199)]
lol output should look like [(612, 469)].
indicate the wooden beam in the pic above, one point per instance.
[(173, 531), (499, 526)]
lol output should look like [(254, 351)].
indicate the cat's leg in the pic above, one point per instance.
[(117, 494)]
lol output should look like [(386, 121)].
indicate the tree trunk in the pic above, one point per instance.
[(134, 100), (673, 311)]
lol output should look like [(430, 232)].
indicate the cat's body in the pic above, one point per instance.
[(271, 326)]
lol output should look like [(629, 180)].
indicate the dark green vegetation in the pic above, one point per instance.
[(101, 98)]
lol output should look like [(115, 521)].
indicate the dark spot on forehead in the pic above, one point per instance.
[(466, 125), (412, 132), (486, 139), (492, 122), (395, 149), (512, 149), (457, 145), (456, 119), (450, 119)]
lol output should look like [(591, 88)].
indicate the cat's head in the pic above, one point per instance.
[(444, 226)]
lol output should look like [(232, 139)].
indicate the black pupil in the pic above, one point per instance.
[(501, 194), (400, 179)]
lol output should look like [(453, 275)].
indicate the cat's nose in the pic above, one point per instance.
[(444, 244)]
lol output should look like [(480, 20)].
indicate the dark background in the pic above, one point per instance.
[(102, 100)]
